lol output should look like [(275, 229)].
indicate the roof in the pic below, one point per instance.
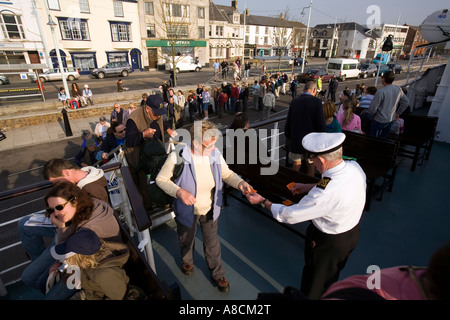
[(219, 13), (224, 13), (348, 26), (270, 22)]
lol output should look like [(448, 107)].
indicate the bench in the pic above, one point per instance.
[(417, 139), (272, 187), (377, 157)]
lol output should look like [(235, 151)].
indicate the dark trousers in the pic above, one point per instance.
[(211, 243), (325, 257)]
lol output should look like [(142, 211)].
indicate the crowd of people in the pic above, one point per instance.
[(87, 234)]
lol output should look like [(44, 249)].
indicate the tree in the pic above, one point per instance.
[(176, 28)]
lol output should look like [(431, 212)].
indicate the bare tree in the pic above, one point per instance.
[(175, 26), (286, 35), (282, 37)]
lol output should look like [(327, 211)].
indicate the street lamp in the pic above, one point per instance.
[(52, 25), (306, 37)]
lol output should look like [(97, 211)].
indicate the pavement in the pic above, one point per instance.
[(44, 133)]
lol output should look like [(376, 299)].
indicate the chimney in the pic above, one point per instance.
[(234, 4), (281, 16)]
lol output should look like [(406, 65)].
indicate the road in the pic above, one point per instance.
[(146, 80)]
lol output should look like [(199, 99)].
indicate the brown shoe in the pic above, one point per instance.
[(222, 284), (187, 268)]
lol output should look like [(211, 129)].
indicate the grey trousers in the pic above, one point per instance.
[(211, 244)]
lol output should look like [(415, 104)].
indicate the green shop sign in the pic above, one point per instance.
[(177, 43)]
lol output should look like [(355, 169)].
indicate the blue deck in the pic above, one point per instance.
[(260, 255)]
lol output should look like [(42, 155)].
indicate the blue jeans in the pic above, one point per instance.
[(36, 274), (32, 238), (381, 130)]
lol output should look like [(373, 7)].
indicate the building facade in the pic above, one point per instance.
[(398, 33), (20, 35), (226, 33), (174, 27)]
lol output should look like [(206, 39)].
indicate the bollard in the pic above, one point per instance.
[(66, 123)]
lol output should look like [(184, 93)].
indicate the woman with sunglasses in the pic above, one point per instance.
[(70, 209), (198, 197)]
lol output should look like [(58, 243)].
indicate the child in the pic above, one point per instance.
[(100, 263), (348, 119), (268, 102), (63, 97)]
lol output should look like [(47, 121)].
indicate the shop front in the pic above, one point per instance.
[(194, 48)]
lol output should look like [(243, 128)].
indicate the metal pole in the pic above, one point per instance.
[(43, 38), (243, 36), (58, 55), (306, 37), (332, 38)]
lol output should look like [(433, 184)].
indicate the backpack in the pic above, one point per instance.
[(74, 104), (152, 158)]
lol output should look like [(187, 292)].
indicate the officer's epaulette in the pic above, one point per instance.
[(322, 184)]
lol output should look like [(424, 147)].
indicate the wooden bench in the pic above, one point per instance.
[(377, 157), (417, 139), (273, 187)]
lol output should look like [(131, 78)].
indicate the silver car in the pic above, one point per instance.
[(111, 69), (55, 74)]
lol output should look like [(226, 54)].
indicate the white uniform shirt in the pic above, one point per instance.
[(334, 209)]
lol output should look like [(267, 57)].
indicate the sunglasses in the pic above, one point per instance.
[(121, 131), (59, 207)]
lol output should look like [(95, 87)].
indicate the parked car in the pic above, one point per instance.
[(397, 68), (111, 69), (313, 75), (383, 69), (3, 80), (299, 62), (368, 70), (55, 74)]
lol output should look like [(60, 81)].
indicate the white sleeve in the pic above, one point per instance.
[(313, 205)]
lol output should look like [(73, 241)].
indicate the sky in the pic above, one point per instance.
[(412, 12)]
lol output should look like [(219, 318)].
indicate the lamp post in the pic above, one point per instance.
[(52, 25), (306, 36)]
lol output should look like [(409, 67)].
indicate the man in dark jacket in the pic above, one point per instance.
[(305, 115), (114, 138)]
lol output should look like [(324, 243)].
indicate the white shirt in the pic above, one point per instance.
[(335, 209)]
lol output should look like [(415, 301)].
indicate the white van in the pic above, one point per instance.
[(183, 63), (344, 68)]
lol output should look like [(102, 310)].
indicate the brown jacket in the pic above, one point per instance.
[(142, 121), (108, 280)]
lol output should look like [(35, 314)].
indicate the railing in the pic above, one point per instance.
[(139, 220)]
